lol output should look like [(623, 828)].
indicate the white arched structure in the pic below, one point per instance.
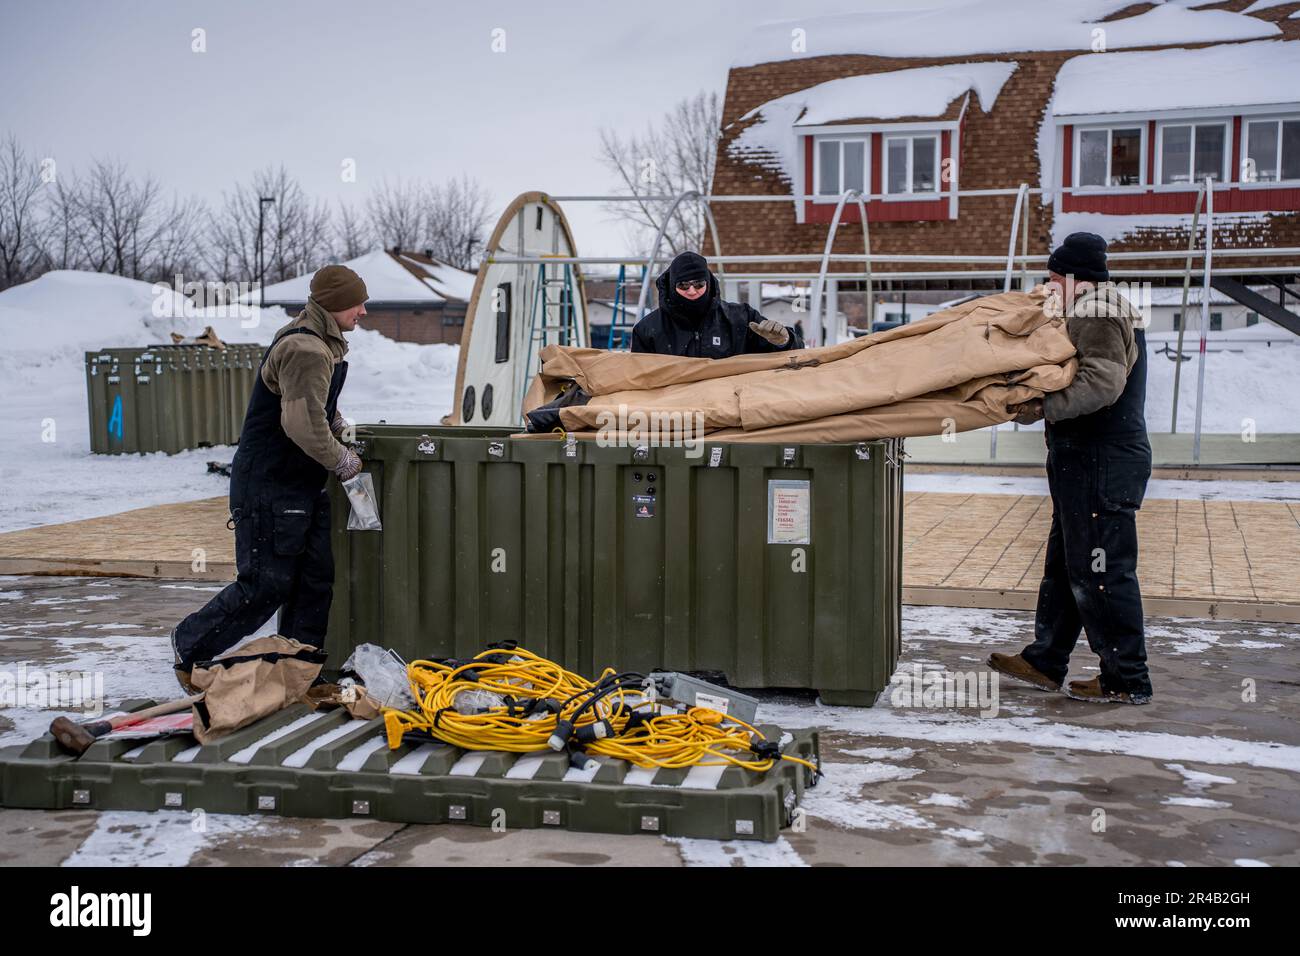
[(506, 324)]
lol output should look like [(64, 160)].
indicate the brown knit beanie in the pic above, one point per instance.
[(337, 289)]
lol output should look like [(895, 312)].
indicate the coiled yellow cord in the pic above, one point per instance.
[(657, 737)]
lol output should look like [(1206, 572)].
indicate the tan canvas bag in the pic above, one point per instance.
[(253, 681)]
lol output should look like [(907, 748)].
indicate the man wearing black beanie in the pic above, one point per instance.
[(693, 320), (1098, 465)]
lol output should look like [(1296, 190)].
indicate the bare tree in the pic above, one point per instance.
[(396, 214), (21, 220), (295, 233), (670, 158), (456, 218), (352, 234)]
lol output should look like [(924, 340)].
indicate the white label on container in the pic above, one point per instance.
[(712, 702), (789, 511)]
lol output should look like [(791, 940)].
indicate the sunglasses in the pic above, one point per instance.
[(692, 284)]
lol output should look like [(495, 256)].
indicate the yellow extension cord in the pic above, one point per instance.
[(667, 738)]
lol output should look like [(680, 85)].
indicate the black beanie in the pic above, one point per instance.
[(1082, 255), (687, 266)]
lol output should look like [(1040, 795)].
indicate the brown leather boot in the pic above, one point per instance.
[(1092, 691), (180, 670), (1013, 665)]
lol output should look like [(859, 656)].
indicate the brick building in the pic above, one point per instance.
[(413, 296), (906, 105)]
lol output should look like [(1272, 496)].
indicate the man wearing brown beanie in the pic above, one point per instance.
[(279, 508)]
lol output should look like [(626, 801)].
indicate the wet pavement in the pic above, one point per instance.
[(970, 771)]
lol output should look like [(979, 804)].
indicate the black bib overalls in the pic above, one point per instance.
[(1098, 466), (281, 515)]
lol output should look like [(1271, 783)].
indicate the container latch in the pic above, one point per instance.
[(787, 456), (360, 446), (863, 451), (715, 456), (570, 446), (641, 453), (497, 449), (427, 446)]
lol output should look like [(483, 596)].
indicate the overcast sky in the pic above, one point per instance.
[(406, 89)]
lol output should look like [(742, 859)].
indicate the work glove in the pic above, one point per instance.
[(772, 330), (338, 424), (1028, 412), (349, 465)]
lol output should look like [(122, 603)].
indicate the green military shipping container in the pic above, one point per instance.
[(773, 565), (168, 397)]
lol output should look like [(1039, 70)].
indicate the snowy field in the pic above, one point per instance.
[(47, 325)]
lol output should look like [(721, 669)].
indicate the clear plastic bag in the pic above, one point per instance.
[(365, 508), (384, 674)]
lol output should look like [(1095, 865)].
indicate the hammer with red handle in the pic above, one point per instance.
[(77, 738)]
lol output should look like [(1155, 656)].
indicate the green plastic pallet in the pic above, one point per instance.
[(302, 764)]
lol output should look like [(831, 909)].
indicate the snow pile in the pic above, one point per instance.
[(447, 281), (48, 472), (927, 91), (1234, 74), (995, 26)]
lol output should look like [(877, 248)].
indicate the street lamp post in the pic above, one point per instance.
[(261, 258)]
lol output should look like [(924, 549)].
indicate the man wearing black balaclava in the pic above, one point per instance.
[(693, 320)]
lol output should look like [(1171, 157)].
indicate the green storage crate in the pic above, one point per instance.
[(638, 558), (168, 397), (326, 765)]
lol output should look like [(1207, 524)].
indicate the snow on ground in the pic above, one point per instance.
[(48, 473), (1157, 489), (161, 837), (1022, 25)]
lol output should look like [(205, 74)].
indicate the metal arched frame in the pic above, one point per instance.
[(816, 308), (659, 238), (1022, 206)]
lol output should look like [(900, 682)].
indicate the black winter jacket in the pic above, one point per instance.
[(722, 332)]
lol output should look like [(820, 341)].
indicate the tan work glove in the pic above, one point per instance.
[(339, 426), (349, 464), (772, 330), (1027, 412)]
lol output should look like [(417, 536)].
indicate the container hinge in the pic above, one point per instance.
[(427, 446), (497, 449), (863, 451), (787, 456), (641, 453), (570, 446)]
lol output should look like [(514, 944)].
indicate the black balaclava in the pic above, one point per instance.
[(689, 265)]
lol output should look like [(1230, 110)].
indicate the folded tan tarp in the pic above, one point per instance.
[(956, 370)]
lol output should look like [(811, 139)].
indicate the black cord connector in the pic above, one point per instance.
[(560, 737)]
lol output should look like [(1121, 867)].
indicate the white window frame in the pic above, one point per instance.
[(1077, 153), (865, 140), (1277, 119), (911, 137), (1225, 161)]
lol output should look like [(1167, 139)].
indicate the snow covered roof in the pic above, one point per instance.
[(922, 92), (1233, 74), (389, 277), (997, 26)]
